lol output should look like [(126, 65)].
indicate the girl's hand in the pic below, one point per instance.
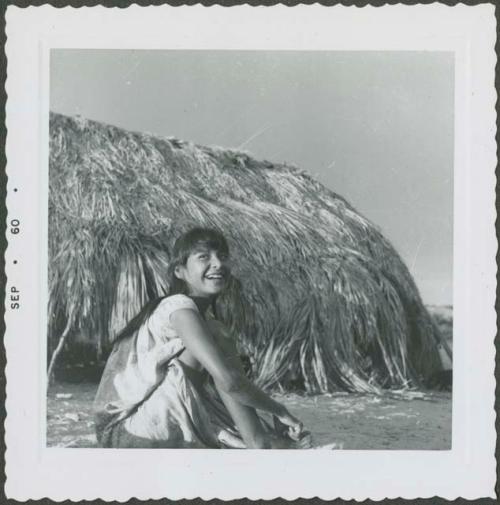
[(292, 426), (305, 442)]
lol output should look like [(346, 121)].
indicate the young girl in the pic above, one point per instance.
[(174, 379)]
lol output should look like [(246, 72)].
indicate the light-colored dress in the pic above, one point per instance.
[(149, 398)]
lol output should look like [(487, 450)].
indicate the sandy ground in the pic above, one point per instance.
[(339, 420)]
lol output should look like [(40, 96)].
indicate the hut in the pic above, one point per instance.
[(320, 299)]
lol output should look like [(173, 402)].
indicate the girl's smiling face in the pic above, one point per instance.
[(205, 273)]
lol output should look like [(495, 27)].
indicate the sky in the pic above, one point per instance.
[(374, 126)]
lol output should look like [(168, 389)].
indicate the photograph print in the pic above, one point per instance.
[(250, 249)]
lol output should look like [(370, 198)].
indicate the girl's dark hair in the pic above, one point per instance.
[(186, 244)]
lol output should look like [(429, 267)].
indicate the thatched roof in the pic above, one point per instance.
[(324, 298)]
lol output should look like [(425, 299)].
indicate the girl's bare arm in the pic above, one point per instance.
[(247, 422), (227, 376), (245, 417)]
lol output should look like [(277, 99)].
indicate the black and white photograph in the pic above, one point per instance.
[(250, 249), (266, 235)]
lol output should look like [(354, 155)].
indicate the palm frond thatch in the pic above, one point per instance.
[(322, 297)]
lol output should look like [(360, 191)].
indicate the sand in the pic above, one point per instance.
[(338, 420)]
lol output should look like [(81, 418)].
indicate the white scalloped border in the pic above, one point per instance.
[(468, 470)]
